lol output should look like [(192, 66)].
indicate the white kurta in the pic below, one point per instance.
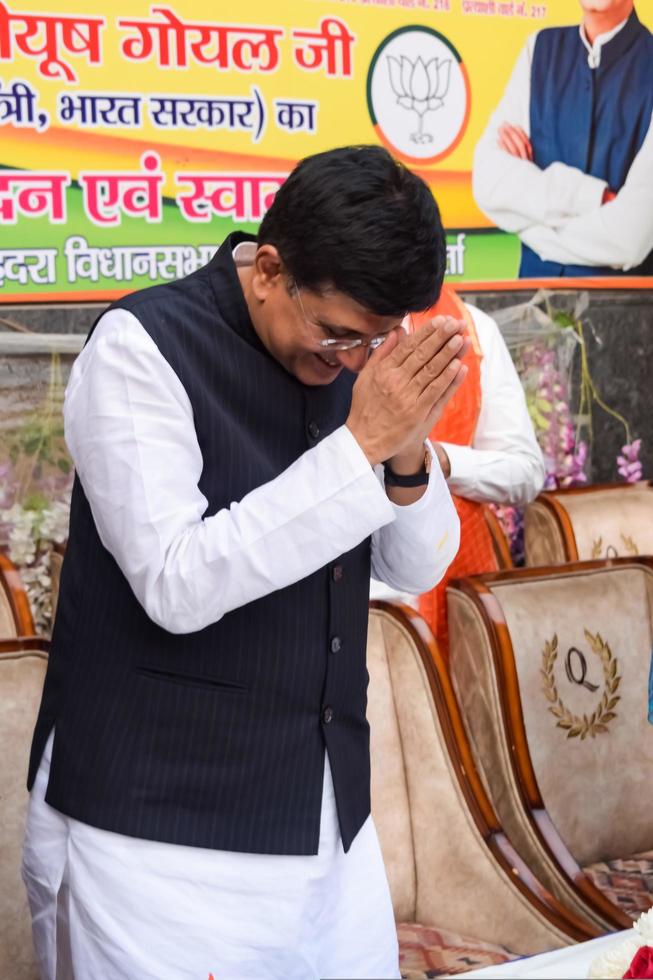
[(557, 211), (110, 907)]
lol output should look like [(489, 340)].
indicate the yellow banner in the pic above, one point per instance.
[(152, 126)]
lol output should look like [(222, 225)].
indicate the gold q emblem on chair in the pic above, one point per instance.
[(630, 547), (576, 725)]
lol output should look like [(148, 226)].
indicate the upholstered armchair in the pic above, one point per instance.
[(462, 896), (602, 521), (551, 669), (21, 680)]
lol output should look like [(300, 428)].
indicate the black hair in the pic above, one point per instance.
[(357, 221)]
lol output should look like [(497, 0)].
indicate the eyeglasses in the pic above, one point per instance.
[(337, 343)]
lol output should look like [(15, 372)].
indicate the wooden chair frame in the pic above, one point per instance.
[(478, 589), (499, 540), (463, 764), (25, 644), (14, 589)]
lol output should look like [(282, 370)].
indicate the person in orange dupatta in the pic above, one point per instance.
[(458, 425)]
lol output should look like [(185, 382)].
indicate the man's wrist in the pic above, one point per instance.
[(417, 476), (407, 464)]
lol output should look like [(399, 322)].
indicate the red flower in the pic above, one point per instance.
[(642, 964)]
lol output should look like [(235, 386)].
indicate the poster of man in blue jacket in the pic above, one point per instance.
[(566, 159)]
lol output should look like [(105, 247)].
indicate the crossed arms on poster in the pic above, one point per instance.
[(562, 213)]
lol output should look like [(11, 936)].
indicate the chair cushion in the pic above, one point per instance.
[(426, 952), (628, 882)]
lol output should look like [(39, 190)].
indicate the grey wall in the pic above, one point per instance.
[(620, 353)]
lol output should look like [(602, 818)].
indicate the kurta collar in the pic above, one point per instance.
[(609, 47)]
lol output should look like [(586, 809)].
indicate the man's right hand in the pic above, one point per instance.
[(402, 390), (515, 141)]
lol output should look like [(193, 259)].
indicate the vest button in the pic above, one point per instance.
[(336, 644), (327, 715), (313, 430), (336, 573)]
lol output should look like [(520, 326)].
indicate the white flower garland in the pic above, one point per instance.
[(613, 964), (31, 536)]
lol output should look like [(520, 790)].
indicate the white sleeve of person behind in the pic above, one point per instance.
[(129, 428), (504, 463)]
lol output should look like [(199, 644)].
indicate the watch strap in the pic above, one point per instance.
[(419, 479)]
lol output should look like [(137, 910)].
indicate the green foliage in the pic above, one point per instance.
[(37, 449)]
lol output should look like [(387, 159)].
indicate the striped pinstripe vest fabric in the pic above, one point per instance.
[(215, 738)]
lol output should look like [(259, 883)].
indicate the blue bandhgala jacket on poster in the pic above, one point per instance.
[(595, 119)]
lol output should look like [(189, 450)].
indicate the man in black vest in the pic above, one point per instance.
[(200, 767)]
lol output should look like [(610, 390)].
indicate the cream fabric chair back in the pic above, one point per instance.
[(440, 869), (552, 671), (21, 682), (606, 521), (582, 647)]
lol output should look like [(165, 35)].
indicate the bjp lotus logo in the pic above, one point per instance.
[(420, 87), (418, 94)]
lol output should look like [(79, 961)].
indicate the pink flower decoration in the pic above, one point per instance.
[(630, 466)]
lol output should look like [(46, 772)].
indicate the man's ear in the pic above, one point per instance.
[(268, 272)]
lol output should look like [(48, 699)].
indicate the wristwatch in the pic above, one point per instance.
[(419, 479)]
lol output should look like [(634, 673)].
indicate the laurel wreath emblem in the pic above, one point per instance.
[(575, 725), (627, 541)]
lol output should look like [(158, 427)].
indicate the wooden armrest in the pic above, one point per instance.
[(37, 643)]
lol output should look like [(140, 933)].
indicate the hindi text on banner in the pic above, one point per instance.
[(174, 43), (44, 36), (110, 194)]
